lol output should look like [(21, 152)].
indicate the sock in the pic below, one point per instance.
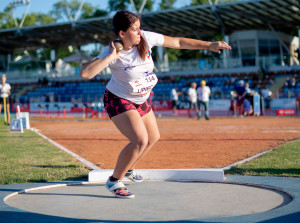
[(111, 178)]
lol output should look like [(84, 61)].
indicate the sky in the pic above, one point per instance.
[(45, 6)]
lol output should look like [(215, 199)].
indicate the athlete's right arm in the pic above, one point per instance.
[(94, 67)]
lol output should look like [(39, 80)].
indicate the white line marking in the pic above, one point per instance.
[(87, 163)]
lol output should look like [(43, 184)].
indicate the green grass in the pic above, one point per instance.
[(27, 157), (284, 161)]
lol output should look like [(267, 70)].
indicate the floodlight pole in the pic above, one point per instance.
[(77, 13), (69, 13), (141, 8), (283, 44), (21, 24), (213, 9), (16, 3), (133, 5), (79, 10)]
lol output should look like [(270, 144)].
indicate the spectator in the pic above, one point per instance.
[(174, 99), (248, 89), (43, 98), (267, 94), (248, 110), (241, 93), (4, 95), (203, 93), (293, 82), (192, 97), (232, 107), (287, 82)]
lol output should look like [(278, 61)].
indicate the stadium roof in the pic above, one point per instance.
[(197, 22)]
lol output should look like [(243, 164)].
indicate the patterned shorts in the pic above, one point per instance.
[(115, 105)]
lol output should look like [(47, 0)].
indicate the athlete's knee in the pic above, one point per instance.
[(141, 142), (153, 139)]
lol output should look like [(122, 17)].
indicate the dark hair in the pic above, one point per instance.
[(124, 20)]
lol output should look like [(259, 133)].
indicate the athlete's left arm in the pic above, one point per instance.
[(194, 44)]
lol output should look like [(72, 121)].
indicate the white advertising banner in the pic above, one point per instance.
[(219, 105), (51, 106), (283, 103)]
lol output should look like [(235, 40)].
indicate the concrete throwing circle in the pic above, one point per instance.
[(155, 201)]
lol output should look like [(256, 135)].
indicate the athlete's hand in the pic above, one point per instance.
[(218, 46), (113, 51)]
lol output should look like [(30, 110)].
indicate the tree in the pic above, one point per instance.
[(6, 19), (166, 4), (45, 18), (38, 19), (97, 13), (115, 5), (199, 2), (64, 9)]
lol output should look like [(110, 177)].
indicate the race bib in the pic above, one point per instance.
[(144, 85)]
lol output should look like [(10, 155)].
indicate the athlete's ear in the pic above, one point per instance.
[(121, 33)]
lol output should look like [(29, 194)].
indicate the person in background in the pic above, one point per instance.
[(293, 82), (247, 88), (5, 93), (241, 93), (287, 82), (203, 93), (267, 94), (248, 109), (192, 97), (174, 98)]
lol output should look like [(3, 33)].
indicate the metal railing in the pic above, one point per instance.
[(180, 65)]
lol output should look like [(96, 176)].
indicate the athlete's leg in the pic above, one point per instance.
[(153, 134), (132, 126)]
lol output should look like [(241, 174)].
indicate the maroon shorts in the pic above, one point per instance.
[(115, 105)]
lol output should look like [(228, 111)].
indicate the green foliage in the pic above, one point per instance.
[(173, 54), (115, 5), (166, 4), (97, 13), (6, 19), (64, 9), (199, 2), (45, 19)]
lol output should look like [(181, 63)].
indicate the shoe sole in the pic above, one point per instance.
[(124, 197)]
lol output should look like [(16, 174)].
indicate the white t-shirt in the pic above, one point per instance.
[(174, 95), (203, 93), (132, 78), (4, 90), (192, 95)]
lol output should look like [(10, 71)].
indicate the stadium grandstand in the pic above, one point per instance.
[(264, 35)]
